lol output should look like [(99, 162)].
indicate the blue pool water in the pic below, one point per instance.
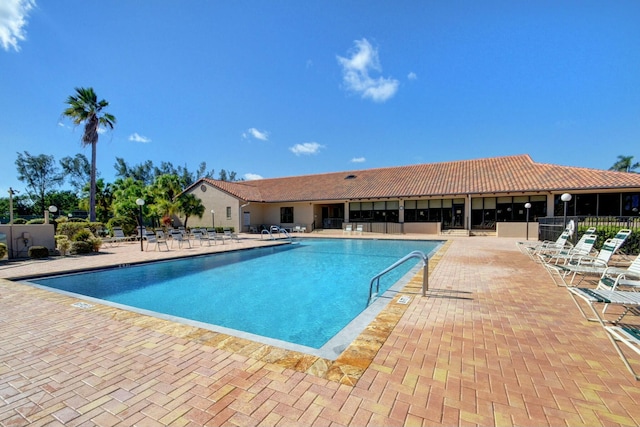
[(301, 293)]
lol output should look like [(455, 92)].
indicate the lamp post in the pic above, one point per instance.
[(213, 219), (527, 206), (12, 192), (140, 203), (565, 198), (52, 209)]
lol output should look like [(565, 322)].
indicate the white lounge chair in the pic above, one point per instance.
[(614, 277), (176, 236), (618, 332), (582, 265), (347, 229), (359, 229), (213, 236), (583, 247), (562, 242), (157, 239), (228, 235), (621, 237), (201, 235), (119, 236)]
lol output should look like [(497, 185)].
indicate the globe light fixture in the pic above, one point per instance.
[(140, 203), (566, 197), (527, 206)]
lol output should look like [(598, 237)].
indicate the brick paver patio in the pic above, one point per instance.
[(494, 343)]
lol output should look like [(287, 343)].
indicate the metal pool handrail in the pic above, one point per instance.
[(414, 254), (279, 230)]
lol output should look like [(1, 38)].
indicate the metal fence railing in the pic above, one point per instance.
[(550, 228)]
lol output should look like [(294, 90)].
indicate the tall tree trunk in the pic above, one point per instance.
[(92, 190)]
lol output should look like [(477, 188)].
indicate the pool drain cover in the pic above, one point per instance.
[(404, 299), (82, 305)]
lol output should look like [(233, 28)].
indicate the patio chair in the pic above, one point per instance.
[(347, 229), (201, 235), (212, 235), (583, 265), (119, 236), (583, 247), (613, 277), (562, 242), (177, 236), (621, 237), (359, 229), (617, 332), (158, 238), (230, 236)]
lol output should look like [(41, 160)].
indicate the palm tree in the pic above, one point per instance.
[(84, 107), (624, 164), (190, 205)]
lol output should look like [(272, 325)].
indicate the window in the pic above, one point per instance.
[(609, 204), (286, 215), (630, 204), (486, 211), (558, 205), (374, 211), (586, 204), (228, 212), (435, 210), (422, 210)]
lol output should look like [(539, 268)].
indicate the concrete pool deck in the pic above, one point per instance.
[(495, 342)]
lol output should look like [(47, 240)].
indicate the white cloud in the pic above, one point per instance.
[(358, 160), (257, 134), (139, 138), (13, 19), (252, 176), (412, 76), (355, 73), (306, 148)]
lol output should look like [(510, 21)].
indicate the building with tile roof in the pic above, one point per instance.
[(481, 194)]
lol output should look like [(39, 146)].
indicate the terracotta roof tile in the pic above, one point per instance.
[(490, 175)]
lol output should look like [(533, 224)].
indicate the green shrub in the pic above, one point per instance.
[(19, 221), (630, 246), (36, 221), (69, 229), (3, 250), (96, 243), (37, 252), (62, 243), (81, 247), (82, 236)]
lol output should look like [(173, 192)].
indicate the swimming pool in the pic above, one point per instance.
[(299, 296)]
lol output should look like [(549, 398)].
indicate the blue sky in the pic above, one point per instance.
[(283, 88)]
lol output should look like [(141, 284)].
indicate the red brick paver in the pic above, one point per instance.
[(494, 343)]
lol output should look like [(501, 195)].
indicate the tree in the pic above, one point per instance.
[(104, 200), (165, 190), (85, 108), (624, 164), (125, 210), (190, 205), (66, 201), (142, 172), (77, 170), (40, 174)]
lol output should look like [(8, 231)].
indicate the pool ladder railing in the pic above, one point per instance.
[(279, 230), (425, 275)]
